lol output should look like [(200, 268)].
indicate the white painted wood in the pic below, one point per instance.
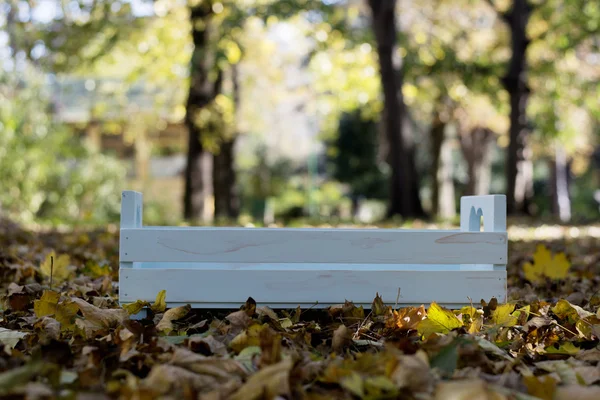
[(491, 207), (493, 210), (131, 217), (356, 246), (229, 288), (282, 268), (299, 266)]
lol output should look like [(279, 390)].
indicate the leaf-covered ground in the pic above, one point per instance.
[(63, 335)]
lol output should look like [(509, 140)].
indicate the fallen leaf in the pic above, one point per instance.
[(466, 390), (248, 337), (439, 320), (341, 338), (353, 383), (270, 346), (165, 325), (136, 307), (564, 348), (96, 319), (502, 315), (446, 360), (11, 338), (48, 305), (269, 382), (160, 304), (57, 269), (543, 387), (577, 392), (409, 317), (546, 266)]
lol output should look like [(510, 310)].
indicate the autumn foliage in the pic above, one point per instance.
[(63, 335)]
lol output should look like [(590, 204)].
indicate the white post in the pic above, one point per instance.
[(131, 217), (493, 210)]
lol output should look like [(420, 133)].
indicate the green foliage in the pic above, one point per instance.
[(354, 157), (47, 171)]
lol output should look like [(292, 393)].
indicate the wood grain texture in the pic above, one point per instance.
[(281, 289), (279, 245)]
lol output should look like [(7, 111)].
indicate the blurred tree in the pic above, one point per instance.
[(354, 156), (404, 183), (47, 173), (224, 176), (519, 166), (206, 78)]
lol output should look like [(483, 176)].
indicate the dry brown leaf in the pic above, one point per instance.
[(269, 382), (412, 372), (166, 323), (48, 328), (341, 338), (270, 346), (172, 379), (222, 368), (472, 389), (577, 392)]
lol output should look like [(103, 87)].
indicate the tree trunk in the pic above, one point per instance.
[(441, 171), (476, 148), (226, 205), (224, 178), (205, 84), (404, 196), (561, 199), (519, 168)]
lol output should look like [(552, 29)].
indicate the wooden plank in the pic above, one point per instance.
[(313, 266), (280, 245), (217, 288)]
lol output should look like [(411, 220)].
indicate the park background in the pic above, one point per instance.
[(298, 112)]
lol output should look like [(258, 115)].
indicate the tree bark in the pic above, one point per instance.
[(442, 195), (476, 149), (205, 85), (519, 167), (226, 205), (404, 183), (561, 198), (224, 177)]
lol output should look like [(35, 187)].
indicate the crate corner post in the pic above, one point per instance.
[(486, 213), (131, 217)]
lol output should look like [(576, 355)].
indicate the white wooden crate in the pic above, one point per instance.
[(209, 267)]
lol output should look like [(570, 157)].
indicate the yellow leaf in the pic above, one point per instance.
[(249, 337), (439, 320), (166, 323), (502, 315), (472, 319), (58, 269), (569, 312), (160, 304), (134, 308), (46, 305), (546, 266), (65, 314), (564, 348), (542, 387)]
